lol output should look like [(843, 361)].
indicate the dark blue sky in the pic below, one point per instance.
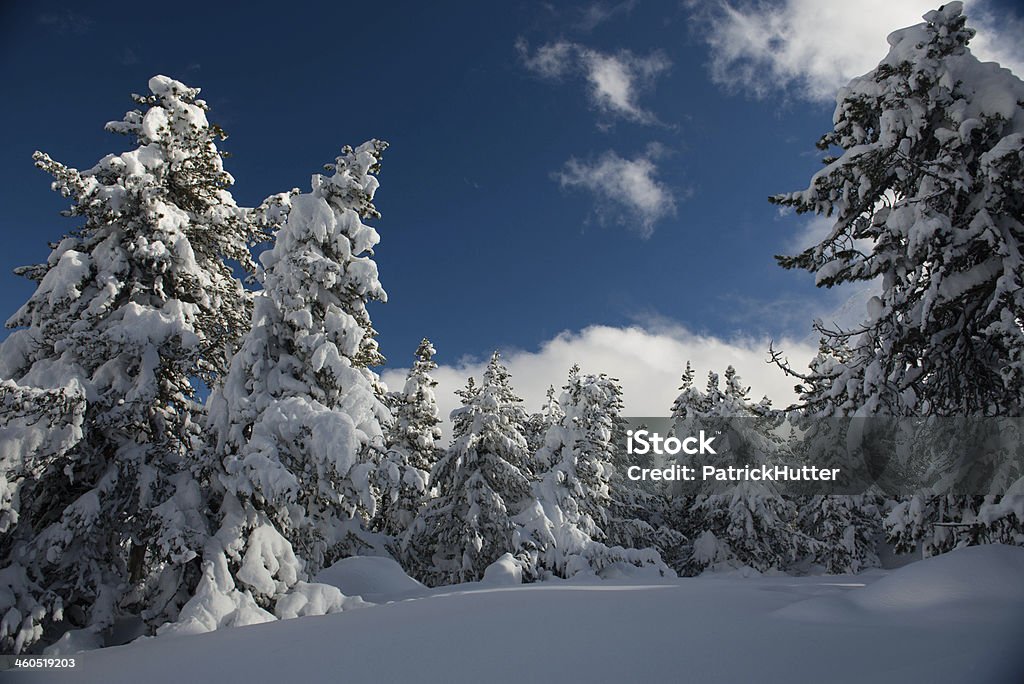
[(482, 245)]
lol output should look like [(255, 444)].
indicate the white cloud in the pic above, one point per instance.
[(595, 14), (647, 360), (549, 61), (627, 190), (615, 81), (812, 47)]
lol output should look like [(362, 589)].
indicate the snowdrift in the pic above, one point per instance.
[(952, 584), (373, 578)]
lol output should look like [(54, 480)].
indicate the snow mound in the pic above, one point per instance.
[(74, 641), (628, 571), (971, 576), (314, 599), (505, 570), (993, 571), (374, 578)]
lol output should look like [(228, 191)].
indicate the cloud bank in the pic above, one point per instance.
[(647, 360), (811, 48)]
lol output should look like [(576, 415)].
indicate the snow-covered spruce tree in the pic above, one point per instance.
[(412, 447), (296, 424), (480, 484), (688, 410), (747, 523), (130, 308), (842, 529), (566, 529), (539, 423), (635, 518), (585, 459), (927, 194), (689, 400)]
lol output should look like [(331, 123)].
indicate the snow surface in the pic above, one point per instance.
[(954, 618)]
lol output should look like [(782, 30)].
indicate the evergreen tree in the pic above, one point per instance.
[(635, 513), (747, 522), (566, 529), (688, 413), (296, 425), (927, 196), (842, 528), (129, 310), (539, 423), (403, 475), (480, 483), (689, 399)]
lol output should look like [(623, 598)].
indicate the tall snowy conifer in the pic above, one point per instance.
[(129, 310), (585, 457), (638, 511), (297, 422), (539, 423), (842, 529), (412, 446), (927, 195), (480, 484), (749, 522), (566, 529)]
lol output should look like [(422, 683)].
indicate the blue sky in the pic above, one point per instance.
[(557, 173)]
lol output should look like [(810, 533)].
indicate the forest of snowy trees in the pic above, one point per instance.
[(191, 434)]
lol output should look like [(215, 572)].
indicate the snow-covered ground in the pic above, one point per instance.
[(954, 618)]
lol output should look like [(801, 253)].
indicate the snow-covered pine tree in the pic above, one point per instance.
[(689, 413), (480, 484), (634, 514), (749, 522), (579, 450), (130, 308), (689, 399), (842, 529), (296, 424), (566, 529), (927, 195), (539, 423), (689, 409), (412, 447)]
